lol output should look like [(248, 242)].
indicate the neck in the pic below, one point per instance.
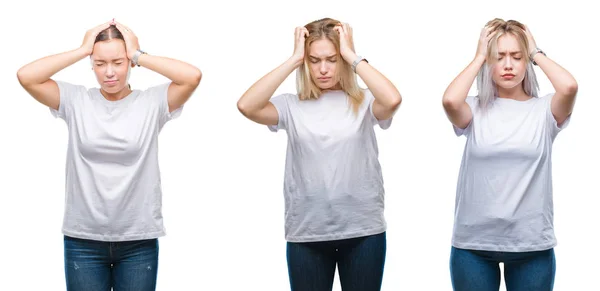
[(116, 96), (515, 93)]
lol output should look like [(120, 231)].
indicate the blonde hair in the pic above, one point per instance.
[(486, 87), (307, 89)]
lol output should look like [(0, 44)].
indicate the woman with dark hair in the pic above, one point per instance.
[(113, 215), (333, 184), (504, 209)]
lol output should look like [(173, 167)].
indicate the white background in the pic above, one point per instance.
[(223, 175)]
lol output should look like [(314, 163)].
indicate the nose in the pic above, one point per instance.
[(323, 68), (110, 71), (508, 64)]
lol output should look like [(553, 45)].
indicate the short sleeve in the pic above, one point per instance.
[(67, 93), (281, 104), (159, 93), (472, 102), (383, 124), (551, 122)]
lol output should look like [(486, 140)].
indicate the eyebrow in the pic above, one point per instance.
[(328, 57), (512, 53), (114, 60)]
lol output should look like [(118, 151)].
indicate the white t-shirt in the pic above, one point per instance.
[(113, 186), (333, 185), (504, 192)]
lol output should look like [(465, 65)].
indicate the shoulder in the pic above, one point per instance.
[(159, 89), (70, 88), (284, 98)]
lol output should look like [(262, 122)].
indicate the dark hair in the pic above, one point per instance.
[(112, 32)]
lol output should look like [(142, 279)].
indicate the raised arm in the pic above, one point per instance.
[(563, 82), (254, 103), (184, 77), (454, 100), (35, 76), (387, 97)]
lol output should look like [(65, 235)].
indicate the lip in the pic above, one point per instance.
[(323, 79), (508, 76), (110, 82)]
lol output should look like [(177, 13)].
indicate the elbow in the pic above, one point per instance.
[(243, 108), (22, 77), (196, 77), (449, 103), (571, 88), (396, 101)]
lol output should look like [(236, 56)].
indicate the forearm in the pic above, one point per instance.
[(383, 90), (259, 94), (562, 81), (41, 70), (457, 91), (180, 73)]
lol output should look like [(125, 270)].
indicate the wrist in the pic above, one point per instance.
[(350, 57), (536, 52), (136, 55), (296, 61), (479, 59), (83, 52)]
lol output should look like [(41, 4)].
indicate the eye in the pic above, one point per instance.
[(332, 60), (314, 61), (517, 58), (99, 64), (118, 63)]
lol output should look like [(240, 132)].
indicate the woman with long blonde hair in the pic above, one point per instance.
[(333, 186), (504, 208)]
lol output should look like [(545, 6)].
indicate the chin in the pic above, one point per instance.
[(113, 89), (327, 86), (507, 84)]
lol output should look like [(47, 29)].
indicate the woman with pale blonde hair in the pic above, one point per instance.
[(504, 208), (333, 186)]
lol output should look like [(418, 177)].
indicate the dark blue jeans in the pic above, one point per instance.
[(480, 271), (311, 266), (97, 266)]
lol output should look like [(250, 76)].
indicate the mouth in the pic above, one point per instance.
[(508, 76), (324, 79), (110, 82)]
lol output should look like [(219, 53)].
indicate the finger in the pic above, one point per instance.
[(122, 25), (339, 29), (489, 31), (305, 31), (127, 29), (101, 27), (298, 34)]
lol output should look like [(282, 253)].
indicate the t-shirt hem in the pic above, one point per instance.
[(114, 238), (336, 236), (505, 248)]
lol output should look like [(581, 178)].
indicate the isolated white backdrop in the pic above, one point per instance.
[(223, 175)]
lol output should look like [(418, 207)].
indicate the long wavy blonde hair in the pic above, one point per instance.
[(307, 89), (486, 87)]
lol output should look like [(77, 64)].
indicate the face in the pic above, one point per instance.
[(111, 66), (323, 60), (509, 70)]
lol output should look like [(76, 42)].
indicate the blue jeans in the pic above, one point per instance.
[(480, 270), (97, 266), (311, 266)]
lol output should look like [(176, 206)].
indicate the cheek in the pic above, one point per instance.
[(122, 71), (99, 72)]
